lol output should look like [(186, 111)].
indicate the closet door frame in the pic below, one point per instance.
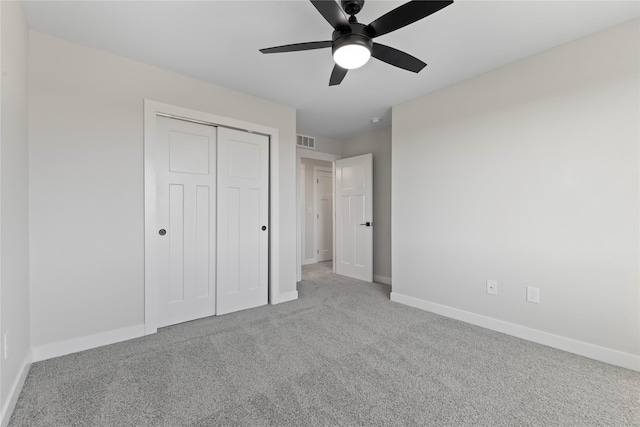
[(152, 110)]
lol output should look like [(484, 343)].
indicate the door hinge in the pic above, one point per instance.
[(317, 216), (318, 251)]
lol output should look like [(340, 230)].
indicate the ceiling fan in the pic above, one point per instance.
[(352, 42)]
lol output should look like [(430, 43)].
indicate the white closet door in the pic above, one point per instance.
[(354, 217), (186, 218), (242, 217)]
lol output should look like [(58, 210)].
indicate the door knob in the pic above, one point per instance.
[(264, 227), (368, 224), (162, 232)]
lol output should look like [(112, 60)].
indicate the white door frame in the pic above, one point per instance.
[(302, 182), (310, 154), (316, 207), (151, 111)]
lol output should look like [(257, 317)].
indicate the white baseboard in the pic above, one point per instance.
[(581, 348), (286, 297), (62, 348), (309, 261), (382, 279), (14, 392)]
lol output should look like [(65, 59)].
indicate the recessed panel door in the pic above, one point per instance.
[(324, 214), (354, 217), (186, 218), (243, 221)]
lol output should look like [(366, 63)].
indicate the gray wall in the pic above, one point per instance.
[(328, 145), (528, 175), (379, 143), (14, 198), (86, 182)]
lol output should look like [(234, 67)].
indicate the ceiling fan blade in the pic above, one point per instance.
[(397, 58), (297, 47), (332, 13), (337, 75), (404, 15)]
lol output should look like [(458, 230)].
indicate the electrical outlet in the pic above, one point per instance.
[(533, 294), (492, 287), (5, 346)]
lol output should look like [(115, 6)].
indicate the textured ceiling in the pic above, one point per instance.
[(218, 41)]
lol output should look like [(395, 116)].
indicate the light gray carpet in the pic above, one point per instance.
[(343, 354)]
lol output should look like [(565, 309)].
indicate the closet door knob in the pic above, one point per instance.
[(264, 227), (162, 232)]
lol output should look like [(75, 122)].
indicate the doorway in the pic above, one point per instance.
[(307, 252), (323, 202), (353, 235), (317, 206)]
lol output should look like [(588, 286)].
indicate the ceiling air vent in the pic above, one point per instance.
[(306, 142)]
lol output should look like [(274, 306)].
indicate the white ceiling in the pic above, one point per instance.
[(218, 41)]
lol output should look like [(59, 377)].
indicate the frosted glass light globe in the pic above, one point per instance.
[(351, 56)]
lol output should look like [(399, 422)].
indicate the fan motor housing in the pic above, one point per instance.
[(359, 38), (352, 7)]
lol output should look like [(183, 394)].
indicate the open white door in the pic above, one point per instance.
[(186, 215), (354, 217), (243, 220)]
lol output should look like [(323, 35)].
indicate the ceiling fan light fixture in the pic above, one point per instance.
[(352, 42), (352, 51)]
